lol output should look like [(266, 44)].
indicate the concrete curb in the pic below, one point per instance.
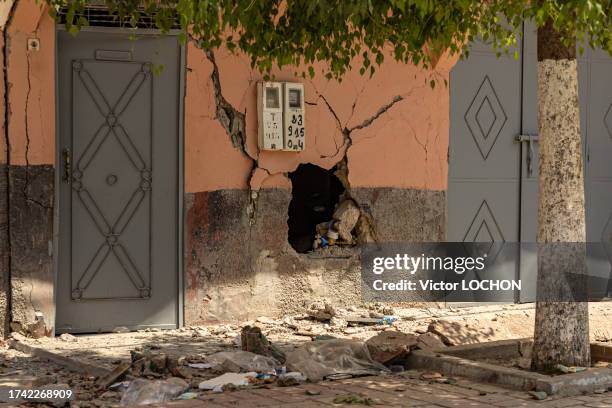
[(66, 362), (562, 385)]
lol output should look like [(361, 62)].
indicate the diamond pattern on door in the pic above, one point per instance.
[(608, 120), (485, 117), (111, 227), (483, 227)]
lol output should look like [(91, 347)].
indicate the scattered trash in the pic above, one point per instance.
[(143, 392), (67, 337), (312, 393), (390, 346), (322, 359), (538, 395), (200, 366), (253, 340), (119, 386), (237, 380), (188, 396), (388, 320), (354, 399), (568, 370), (242, 361)]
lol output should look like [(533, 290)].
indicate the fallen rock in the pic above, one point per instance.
[(388, 346), (69, 338), (253, 340), (346, 214), (430, 342), (321, 310)]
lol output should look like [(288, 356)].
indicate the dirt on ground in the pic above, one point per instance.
[(183, 355)]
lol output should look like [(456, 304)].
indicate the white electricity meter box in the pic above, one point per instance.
[(270, 114), (281, 114)]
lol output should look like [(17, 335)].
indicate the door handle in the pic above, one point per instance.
[(67, 158), (530, 140)]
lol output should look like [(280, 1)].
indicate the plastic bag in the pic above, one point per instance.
[(237, 380), (143, 392), (242, 361), (320, 359)]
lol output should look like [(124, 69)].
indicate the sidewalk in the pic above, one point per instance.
[(392, 391)]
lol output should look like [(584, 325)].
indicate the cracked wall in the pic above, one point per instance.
[(30, 84), (389, 133)]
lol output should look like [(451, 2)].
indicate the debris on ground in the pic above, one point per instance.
[(321, 310), (538, 395), (253, 340), (143, 392), (242, 361), (333, 358), (68, 337), (568, 370), (346, 216), (114, 376), (339, 230), (391, 346), (232, 379), (429, 342), (354, 399), (290, 379)]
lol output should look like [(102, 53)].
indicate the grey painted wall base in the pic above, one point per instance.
[(4, 254), (31, 228), (241, 268)]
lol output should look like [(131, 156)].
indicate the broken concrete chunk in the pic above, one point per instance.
[(346, 214), (69, 338), (253, 340), (430, 342), (114, 376), (321, 310), (389, 346)]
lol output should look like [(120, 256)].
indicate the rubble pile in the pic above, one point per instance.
[(339, 230)]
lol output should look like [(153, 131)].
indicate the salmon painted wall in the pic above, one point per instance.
[(403, 147), (31, 77)]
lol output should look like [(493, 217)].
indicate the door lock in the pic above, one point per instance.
[(67, 157), (530, 139)]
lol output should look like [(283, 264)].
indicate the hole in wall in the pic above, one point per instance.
[(315, 193)]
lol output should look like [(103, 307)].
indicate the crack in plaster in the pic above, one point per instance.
[(233, 121), (9, 246)]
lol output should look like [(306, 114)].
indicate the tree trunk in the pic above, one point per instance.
[(561, 333)]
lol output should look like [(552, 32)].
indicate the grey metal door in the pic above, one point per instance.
[(484, 173), (494, 196), (119, 182)]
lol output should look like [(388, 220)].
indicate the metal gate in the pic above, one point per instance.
[(493, 152), (119, 187)]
